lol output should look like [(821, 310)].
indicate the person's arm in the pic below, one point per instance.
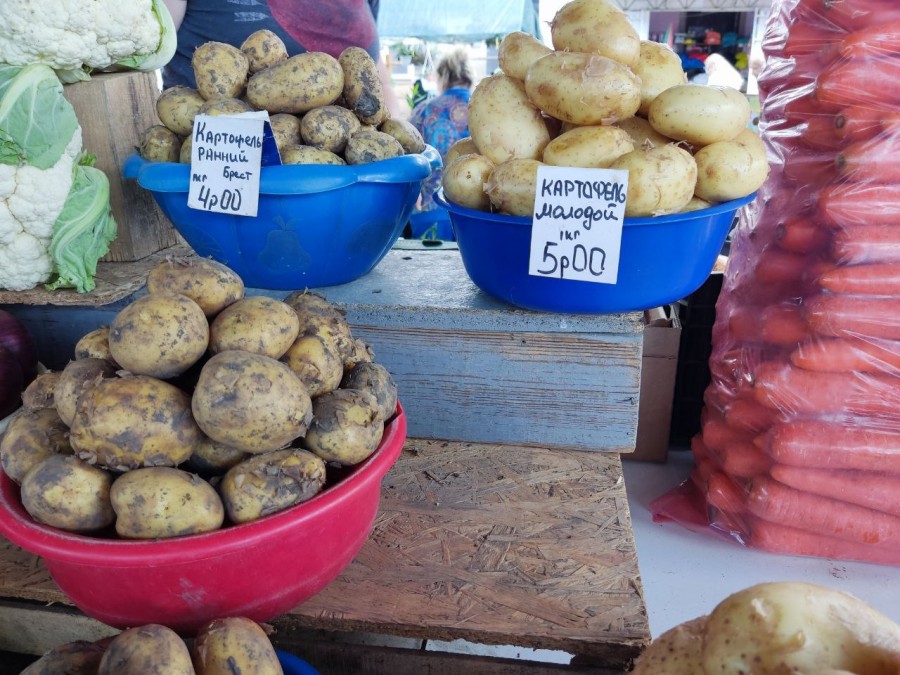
[(176, 9)]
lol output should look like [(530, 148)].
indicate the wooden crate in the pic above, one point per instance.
[(113, 109)]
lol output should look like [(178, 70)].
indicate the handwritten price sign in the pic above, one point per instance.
[(577, 223)]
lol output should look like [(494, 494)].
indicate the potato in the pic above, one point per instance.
[(159, 502), (147, 650), (583, 88), (271, 482), (160, 334), (184, 154), (298, 84), (595, 27), (316, 362), (94, 345), (658, 69), (250, 402), (234, 645), (176, 108), (728, 170), (660, 180), (696, 204), (675, 652), (32, 435), (503, 122), (210, 284), (263, 48), (642, 133), (319, 317), (135, 421), (517, 51), (74, 379), (257, 324), (286, 129), (375, 379), (224, 105), (41, 393), (72, 658), (464, 146), (699, 114), (346, 426), (588, 147), (64, 492), (220, 69), (511, 186), (329, 128), (370, 145), (213, 459), (362, 90), (307, 154), (464, 179), (408, 136), (159, 144), (360, 352)]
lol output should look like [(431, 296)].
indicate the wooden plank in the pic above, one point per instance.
[(492, 544)]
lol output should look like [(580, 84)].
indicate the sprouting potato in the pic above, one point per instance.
[(263, 48), (675, 652)]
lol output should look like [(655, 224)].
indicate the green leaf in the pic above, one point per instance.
[(165, 50)]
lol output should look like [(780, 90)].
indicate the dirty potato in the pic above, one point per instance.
[(408, 136), (234, 645), (661, 180), (360, 352), (159, 144), (346, 426), (76, 378), (307, 154), (32, 436), (263, 48), (184, 155), (511, 186), (256, 324), (214, 459), (271, 482), (319, 317), (370, 145), (224, 105), (146, 650), (135, 421), (329, 128), (517, 51), (464, 180), (210, 284), (64, 492), (592, 147), (220, 69), (362, 91), (316, 362), (298, 84), (159, 502), (41, 393), (72, 658), (285, 129), (94, 345), (176, 108), (375, 379)]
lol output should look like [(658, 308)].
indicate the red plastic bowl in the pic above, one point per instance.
[(259, 570)]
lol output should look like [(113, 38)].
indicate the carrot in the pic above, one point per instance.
[(776, 538), (743, 459), (716, 434), (820, 133), (874, 160), (848, 355), (802, 234), (872, 489), (728, 499), (860, 80), (801, 108), (863, 243), (748, 415), (794, 391), (854, 316), (853, 15), (870, 279), (770, 500), (809, 167), (859, 123), (810, 39), (855, 204), (880, 39), (890, 122), (775, 266), (782, 325), (832, 445)]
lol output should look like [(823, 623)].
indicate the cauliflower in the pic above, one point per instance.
[(75, 37)]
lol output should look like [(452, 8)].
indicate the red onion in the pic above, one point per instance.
[(16, 338), (11, 382)]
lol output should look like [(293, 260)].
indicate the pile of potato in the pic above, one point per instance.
[(222, 647), (602, 98), (322, 110), (196, 407)]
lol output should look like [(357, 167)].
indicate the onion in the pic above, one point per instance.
[(16, 338), (11, 382)]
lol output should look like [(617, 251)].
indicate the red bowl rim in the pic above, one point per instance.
[(21, 529)]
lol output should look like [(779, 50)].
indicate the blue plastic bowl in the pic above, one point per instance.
[(316, 226), (662, 260), (294, 665)]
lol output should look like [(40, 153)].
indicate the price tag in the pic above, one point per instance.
[(226, 156), (577, 224)]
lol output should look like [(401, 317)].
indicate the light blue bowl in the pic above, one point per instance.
[(662, 260), (317, 225)]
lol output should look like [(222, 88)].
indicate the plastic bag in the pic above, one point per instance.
[(799, 448)]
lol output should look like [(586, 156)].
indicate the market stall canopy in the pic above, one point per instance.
[(693, 5), (456, 20)]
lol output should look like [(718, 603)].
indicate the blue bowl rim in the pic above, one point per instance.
[(526, 221)]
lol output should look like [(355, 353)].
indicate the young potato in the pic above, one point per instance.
[(176, 108), (307, 154), (220, 69), (160, 334), (64, 492), (41, 393), (271, 482), (731, 169), (130, 422), (375, 379), (405, 133), (250, 402), (346, 426), (675, 652), (159, 144), (286, 129), (234, 645), (518, 50), (370, 145), (464, 179), (595, 27), (224, 105), (660, 180), (699, 114), (658, 69), (94, 345), (263, 48), (588, 147), (32, 436), (464, 146), (256, 324), (74, 380), (362, 90), (146, 650), (329, 128), (320, 317), (298, 84), (504, 123), (696, 204), (72, 658), (583, 88), (316, 362), (214, 459), (642, 133), (184, 155), (511, 186), (210, 284), (160, 502)]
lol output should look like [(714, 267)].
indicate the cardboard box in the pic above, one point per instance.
[(659, 365)]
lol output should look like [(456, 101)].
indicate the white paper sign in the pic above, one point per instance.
[(226, 155), (577, 223)]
